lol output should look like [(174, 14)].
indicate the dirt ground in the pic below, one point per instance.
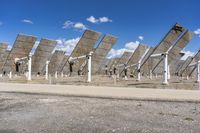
[(100, 80), (29, 113)]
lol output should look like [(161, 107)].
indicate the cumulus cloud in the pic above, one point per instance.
[(94, 20), (75, 25), (129, 47), (66, 45), (104, 20), (187, 54), (27, 21), (80, 26), (197, 32)]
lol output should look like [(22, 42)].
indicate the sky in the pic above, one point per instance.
[(131, 21)]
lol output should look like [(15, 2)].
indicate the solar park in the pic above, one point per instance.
[(156, 67)]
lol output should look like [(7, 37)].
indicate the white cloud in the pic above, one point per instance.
[(129, 47), (66, 45), (27, 21), (197, 32), (68, 24), (187, 54), (78, 25), (104, 19), (141, 38), (1, 23), (94, 20)]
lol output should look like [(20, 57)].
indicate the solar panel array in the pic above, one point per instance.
[(3, 55), (101, 51), (64, 66), (164, 45), (185, 65), (176, 39), (137, 55), (113, 64), (195, 60), (83, 47), (123, 61), (103, 65), (21, 48), (175, 64), (55, 61), (148, 65), (174, 52), (42, 54)]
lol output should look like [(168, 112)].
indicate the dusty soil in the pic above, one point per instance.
[(25, 113), (99, 80)]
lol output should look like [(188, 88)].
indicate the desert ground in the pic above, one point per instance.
[(103, 80), (44, 108), (31, 113)]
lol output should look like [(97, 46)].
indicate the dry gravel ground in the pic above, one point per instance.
[(31, 113), (100, 80)]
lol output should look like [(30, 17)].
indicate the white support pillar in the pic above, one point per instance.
[(198, 71), (62, 75), (47, 70), (138, 71), (29, 66), (89, 60), (56, 74), (165, 74), (168, 72), (150, 74), (10, 75)]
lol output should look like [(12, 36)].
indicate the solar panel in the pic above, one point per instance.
[(3, 47), (64, 67), (113, 63), (178, 66), (3, 55), (174, 52), (83, 47), (123, 61), (21, 48), (195, 60), (124, 58), (197, 56), (175, 64), (137, 55), (100, 52), (147, 66), (103, 65), (134, 59), (185, 65), (165, 43), (42, 54), (55, 61)]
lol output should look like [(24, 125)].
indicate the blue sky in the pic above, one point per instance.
[(126, 19)]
